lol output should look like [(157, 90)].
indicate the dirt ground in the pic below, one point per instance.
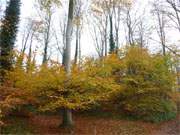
[(49, 125)]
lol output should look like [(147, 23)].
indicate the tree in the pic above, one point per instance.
[(148, 83), (79, 24), (143, 31), (8, 33), (131, 26), (107, 13), (174, 13), (98, 27), (137, 28), (111, 11), (34, 28), (67, 113), (61, 40), (161, 24), (111, 36), (65, 89), (30, 33), (46, 9)]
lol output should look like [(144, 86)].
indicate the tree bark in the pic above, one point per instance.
[(47, 39), (111, 40), (67, 118), (67, 113), (77, 46)]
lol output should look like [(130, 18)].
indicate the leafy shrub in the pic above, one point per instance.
[(150, 107), (50, 85), (10, 99), (176, 98), (147, 83), (136, 82)]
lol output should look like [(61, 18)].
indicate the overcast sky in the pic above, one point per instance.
[(87, 43), (28, 10)]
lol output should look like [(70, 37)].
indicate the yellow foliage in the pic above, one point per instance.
[(134, 75), (91, 83)]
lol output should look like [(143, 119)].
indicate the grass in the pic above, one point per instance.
[(17, 126)]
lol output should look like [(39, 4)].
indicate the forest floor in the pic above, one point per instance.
[(49, 125)]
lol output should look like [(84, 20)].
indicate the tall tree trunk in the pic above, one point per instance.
[(67, 118), (67, 113), (8, 33), (47, 38), (111, 40), (30, 53), (77, 46), (161, 23)]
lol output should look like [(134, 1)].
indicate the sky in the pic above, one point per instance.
[(28, 10), (87, 43)]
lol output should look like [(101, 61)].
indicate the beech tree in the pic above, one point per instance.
[(66, 87), (67, 113)]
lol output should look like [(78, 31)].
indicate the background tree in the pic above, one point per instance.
[(111, 11), (131, 25), (46, 9), (161, 24), (8, 33), (98, 27), (79, 16), (137, 30), (30, 33), (60, 36), (174, 13)]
